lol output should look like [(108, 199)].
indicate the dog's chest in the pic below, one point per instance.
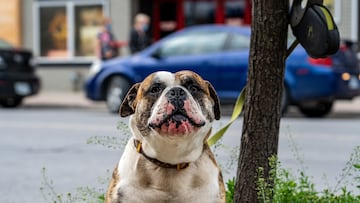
[(168, 191), (148, 183)]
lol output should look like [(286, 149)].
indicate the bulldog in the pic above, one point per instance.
[(167, 159)]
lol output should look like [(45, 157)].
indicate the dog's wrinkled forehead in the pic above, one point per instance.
[(168, 79)]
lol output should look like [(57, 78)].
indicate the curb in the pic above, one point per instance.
[(48, 99), (62, 99)]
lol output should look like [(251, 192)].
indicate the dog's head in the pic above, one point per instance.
[(171, 112)]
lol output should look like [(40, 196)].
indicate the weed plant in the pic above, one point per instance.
[(290, 189)]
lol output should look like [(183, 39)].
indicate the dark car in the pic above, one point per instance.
[(346, 67), (220, 54), (17, 75)]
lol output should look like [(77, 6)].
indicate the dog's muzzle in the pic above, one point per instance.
[(176, 116)]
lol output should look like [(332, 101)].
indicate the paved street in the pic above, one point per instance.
[(51, 131)]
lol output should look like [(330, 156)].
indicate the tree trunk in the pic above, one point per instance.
[(262, 115)]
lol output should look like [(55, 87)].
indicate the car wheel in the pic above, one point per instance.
[(284, 101), (116, 91), (11, 102), (318, 110)]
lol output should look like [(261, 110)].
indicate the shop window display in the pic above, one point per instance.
[(87, 25), (53, 32), (68, 30)]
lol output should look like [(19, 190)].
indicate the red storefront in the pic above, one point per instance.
[(168, 16)]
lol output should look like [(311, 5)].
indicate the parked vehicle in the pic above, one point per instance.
[(220, 54), (17, 75), (346, 72)]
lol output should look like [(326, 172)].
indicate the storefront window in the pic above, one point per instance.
[(168, 22), (199, 12), (87, 25), (234, 12), (53, 32), (67, 30)]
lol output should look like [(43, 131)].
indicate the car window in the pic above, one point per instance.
[(291, 38), (238, 42), (5, 44), (193, 43)]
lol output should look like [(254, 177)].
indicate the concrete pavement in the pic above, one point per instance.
[(64, 99), (67, 99), (348, 106)]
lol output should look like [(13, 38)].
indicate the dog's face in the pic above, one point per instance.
[(171, 112)]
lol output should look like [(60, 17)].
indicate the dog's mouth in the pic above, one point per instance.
[(177, 123)]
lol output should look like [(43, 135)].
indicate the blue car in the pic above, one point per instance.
[(219, 53)]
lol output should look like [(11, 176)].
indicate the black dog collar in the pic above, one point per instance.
[(178, 167)]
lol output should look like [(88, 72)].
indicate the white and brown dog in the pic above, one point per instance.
[(168, 158)]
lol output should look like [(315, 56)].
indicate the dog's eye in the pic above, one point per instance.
[(155, 89), (194, 89)]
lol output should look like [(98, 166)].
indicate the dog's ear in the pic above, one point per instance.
[(128, 106), (214, 96)]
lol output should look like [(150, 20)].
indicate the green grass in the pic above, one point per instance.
[(300, 189)]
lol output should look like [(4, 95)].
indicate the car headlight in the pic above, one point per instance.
[(345, 76), (94, 68), (2, 63)]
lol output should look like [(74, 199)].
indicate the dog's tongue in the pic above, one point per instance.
[(179, 118)]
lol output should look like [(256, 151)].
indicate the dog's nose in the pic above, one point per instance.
[(176, 96), (177, 92)]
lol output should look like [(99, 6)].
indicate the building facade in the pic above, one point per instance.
[(62, 33), (64, 30)]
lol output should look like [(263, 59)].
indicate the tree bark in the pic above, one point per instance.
[(260, 133)]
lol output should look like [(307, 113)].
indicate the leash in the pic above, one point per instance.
[(235, 114)]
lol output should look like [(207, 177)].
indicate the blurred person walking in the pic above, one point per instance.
[(106, 46), (139, 36)]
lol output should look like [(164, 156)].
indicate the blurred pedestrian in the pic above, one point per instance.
[(139, 36), (106, 46)]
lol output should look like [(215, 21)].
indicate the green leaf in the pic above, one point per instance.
[(357, 166)]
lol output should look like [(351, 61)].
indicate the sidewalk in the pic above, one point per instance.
[(65, 99), (62, 99), (347, 106)]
